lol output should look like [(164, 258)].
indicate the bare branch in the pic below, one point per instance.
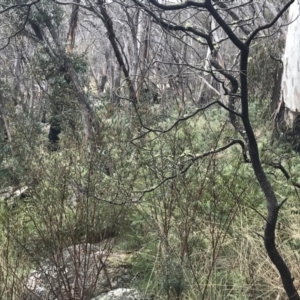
[(234, 16), (88, 7), (169, 26), (266, 26), (231, 35), (19, 5), (281, 203), (285, 173), (178, 6), (19, 31), (192, 160), (184, 119)]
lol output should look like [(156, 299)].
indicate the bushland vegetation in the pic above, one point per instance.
[(148, 128)]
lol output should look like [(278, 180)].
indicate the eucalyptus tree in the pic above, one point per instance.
[(287, 94)]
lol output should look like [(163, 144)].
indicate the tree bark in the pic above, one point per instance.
[(287, 114), (72, 28), (290, 83)]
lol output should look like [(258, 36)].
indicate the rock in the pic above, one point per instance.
[(11, 195), (122, 294), (79, 272)]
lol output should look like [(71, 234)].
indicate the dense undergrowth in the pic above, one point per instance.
[(194, 225)]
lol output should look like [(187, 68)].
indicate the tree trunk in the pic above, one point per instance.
[(288, 111), (72, 28)]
